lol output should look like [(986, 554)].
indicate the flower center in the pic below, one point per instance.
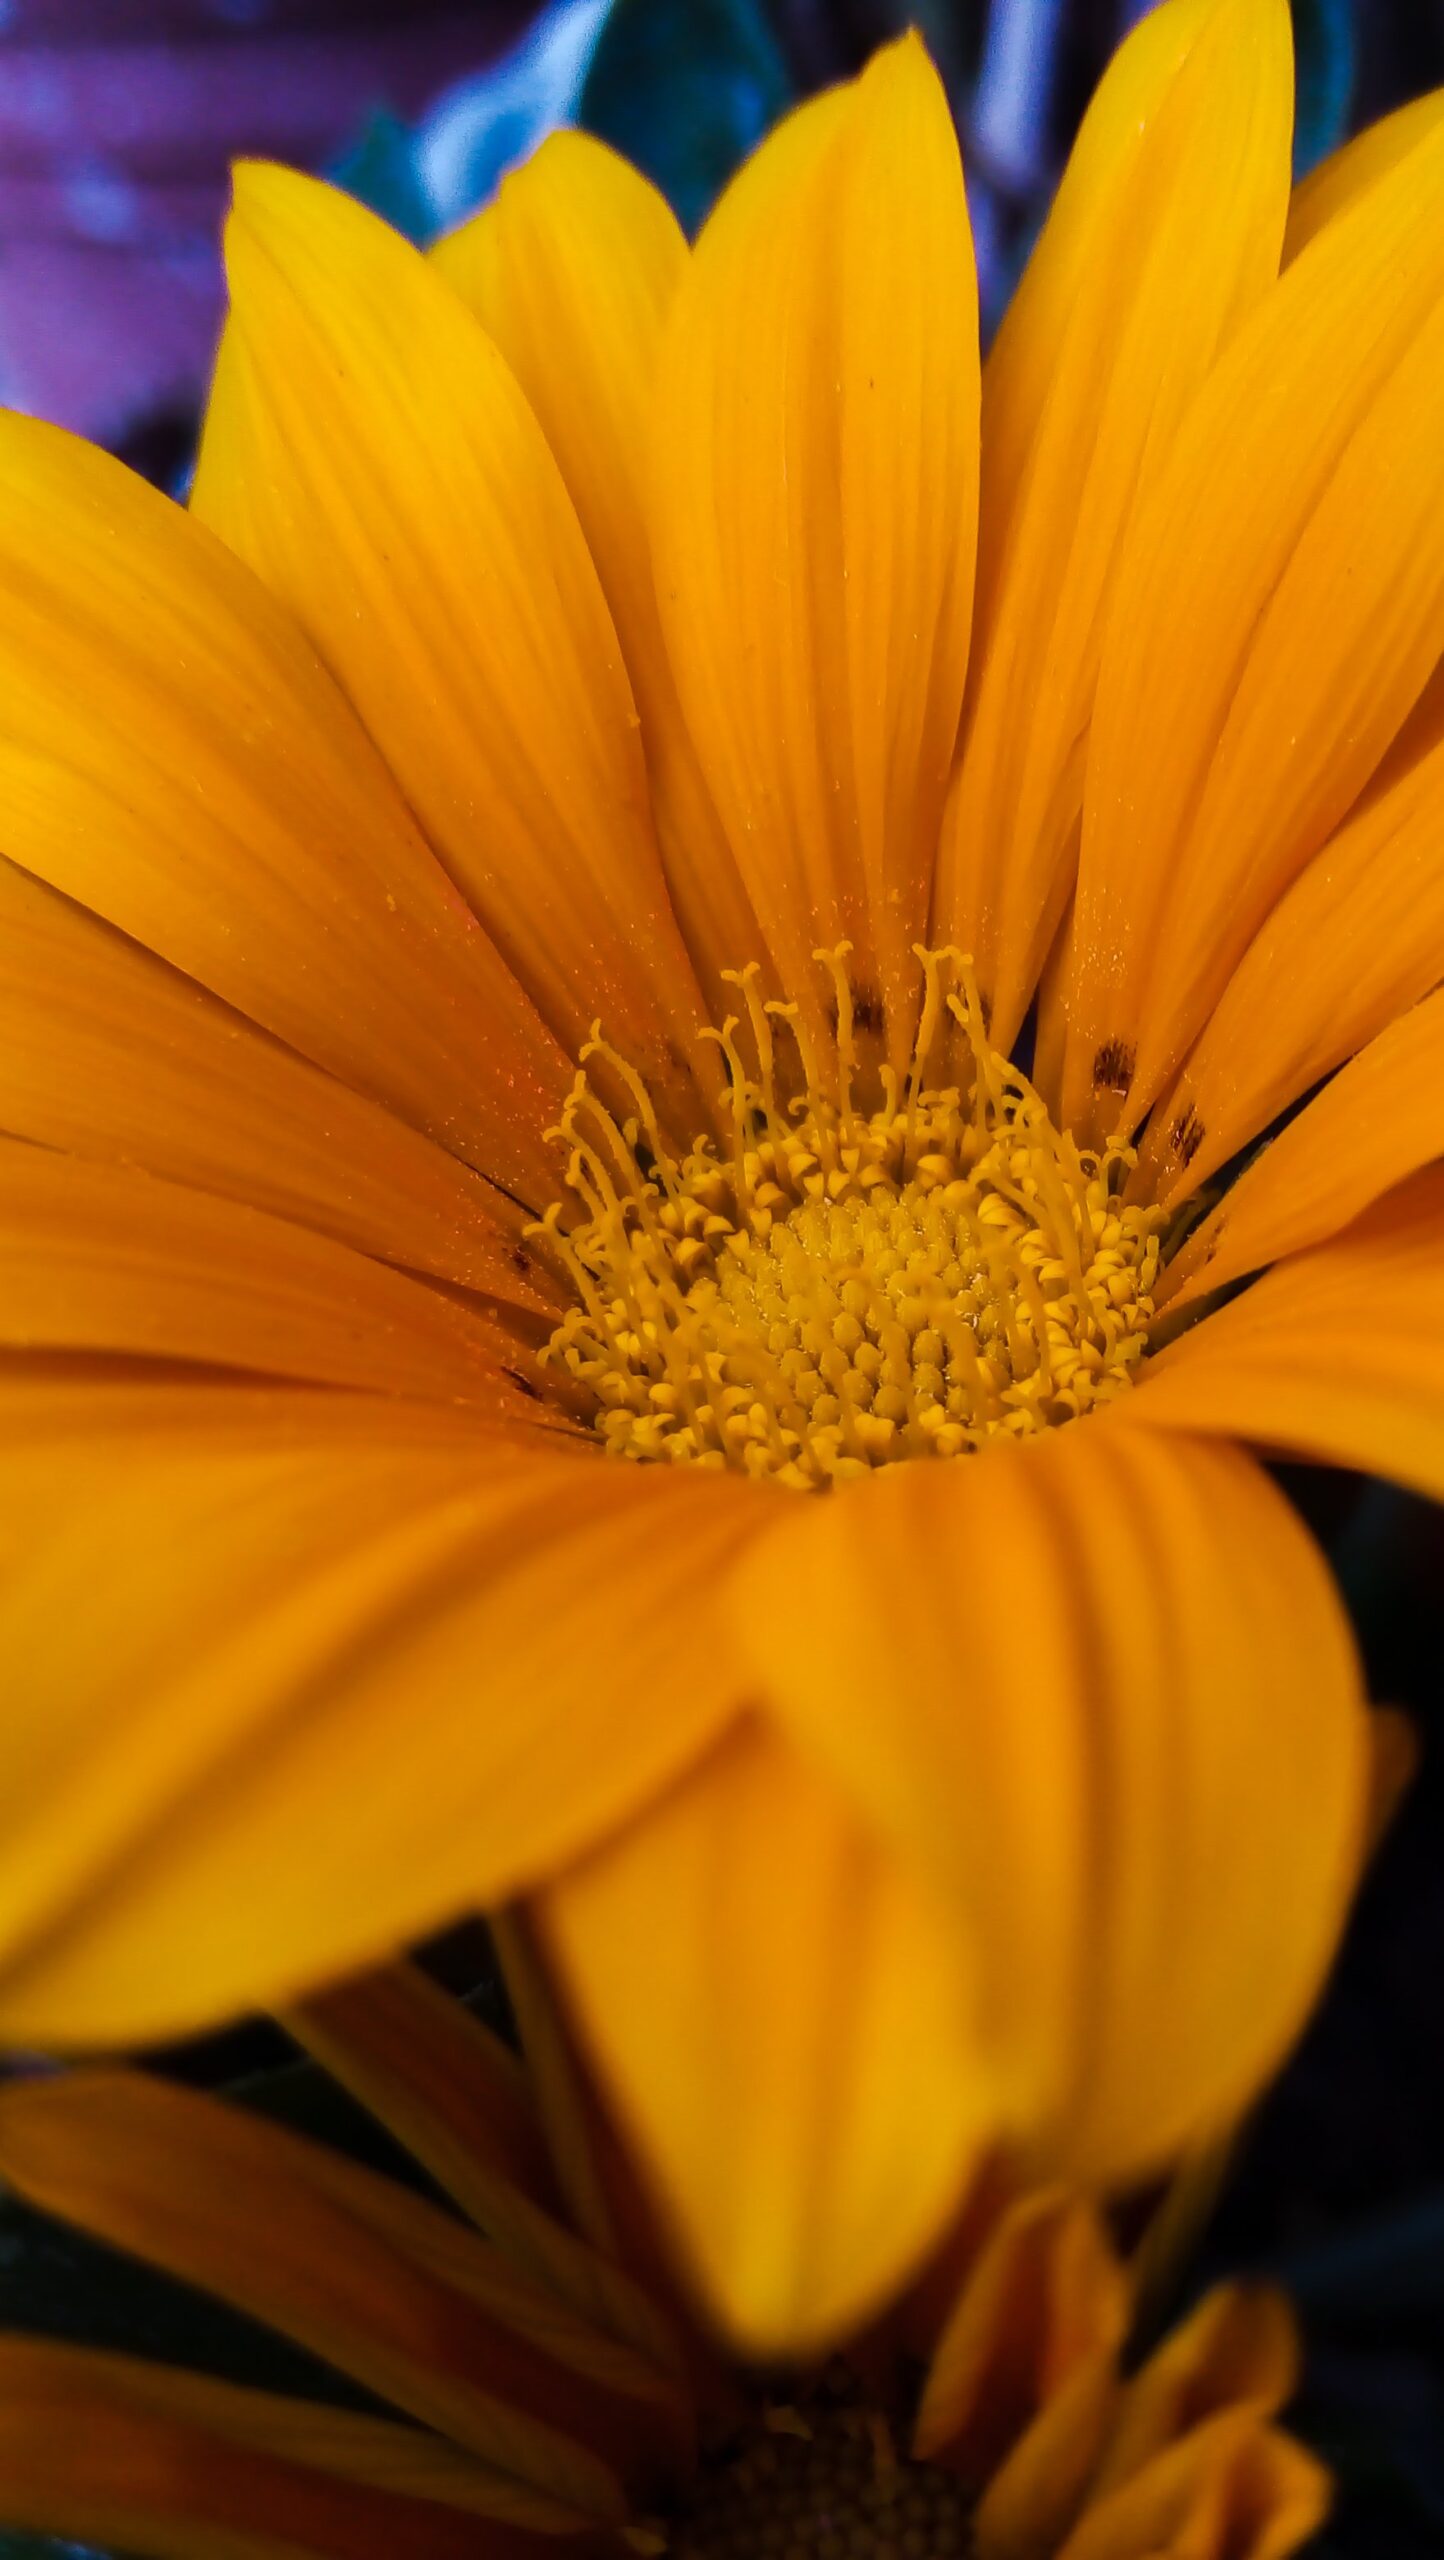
[(849, 1283), (832, 2492)]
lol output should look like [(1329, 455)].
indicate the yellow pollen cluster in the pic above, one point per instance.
[(846, 1285)]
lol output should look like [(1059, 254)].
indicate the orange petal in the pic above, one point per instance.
[(1357, 939), (1074, 1687), (1164, 234), (376, 2281), (572, 270), (815, 493), (173, 754), (369, 452), (1380, 1119), (1279, 608), (1336, 1354), (106, 1051), (795, 2071), (458, 2100), (124, 2452), (1348, 173), (94, 1257), (307, 1675), (1234, 2490), (1238, 2349)]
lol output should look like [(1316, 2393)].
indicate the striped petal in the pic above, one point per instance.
[(572, 271), (1279, 608), (1073, 1684), (1357, 939), (782, 2028), (108, 1052), (174, 756), (1336, 1354), (1381, 1119), (306, 1675), (374, 2280), (370, 453), (815, 493), (1164, 234), (95, 1257), (123, 2453), (1348, 173)]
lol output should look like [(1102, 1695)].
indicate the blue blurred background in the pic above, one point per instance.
[(117, 121)]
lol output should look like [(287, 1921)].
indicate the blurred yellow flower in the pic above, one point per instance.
[(559, 2395), (578, 648)]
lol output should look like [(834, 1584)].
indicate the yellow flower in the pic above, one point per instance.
[(570, 640), (559, 2395)]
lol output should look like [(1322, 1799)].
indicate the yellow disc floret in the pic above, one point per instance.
[(847, 1284)]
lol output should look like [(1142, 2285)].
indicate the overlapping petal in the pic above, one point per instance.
[(1073, 1685), (124, 2453), (1164, 234), (293, 1677), (1278, 611), (1381, 1119), (1336, 1354), (368, 451), (173, 755), (784, 2028), (573, 270), (815, 463), (107, 1052)]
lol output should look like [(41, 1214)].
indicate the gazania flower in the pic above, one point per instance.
[(562, 2405), (577, 1337)]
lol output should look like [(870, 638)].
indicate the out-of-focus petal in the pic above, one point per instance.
[(783, 2028), (369, 452), (1074, 1686), (124, 2453), (1233, 2490), (1164, 234), (815, 470)]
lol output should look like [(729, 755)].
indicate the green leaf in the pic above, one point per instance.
[(685, 88)]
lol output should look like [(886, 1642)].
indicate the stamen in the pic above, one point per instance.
[(848, 1284)]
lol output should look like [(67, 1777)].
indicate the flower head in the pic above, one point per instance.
[(636, 959)]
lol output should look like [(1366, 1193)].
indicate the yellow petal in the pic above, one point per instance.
[(1238, 2349), (94, 1257), (173, 755), (1336, 1354), (307, 1675), (1234, 2490), (377, 2281), (815, 471), (370, 453), (1074, 1685), (1279, 607), (1349, 172), (106, 1051), (1357, 939), (572, 270), (124, 2452), (458, 2099), (1024, 2376), (782, 2028), (1164, 234), (1380, 1119)]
